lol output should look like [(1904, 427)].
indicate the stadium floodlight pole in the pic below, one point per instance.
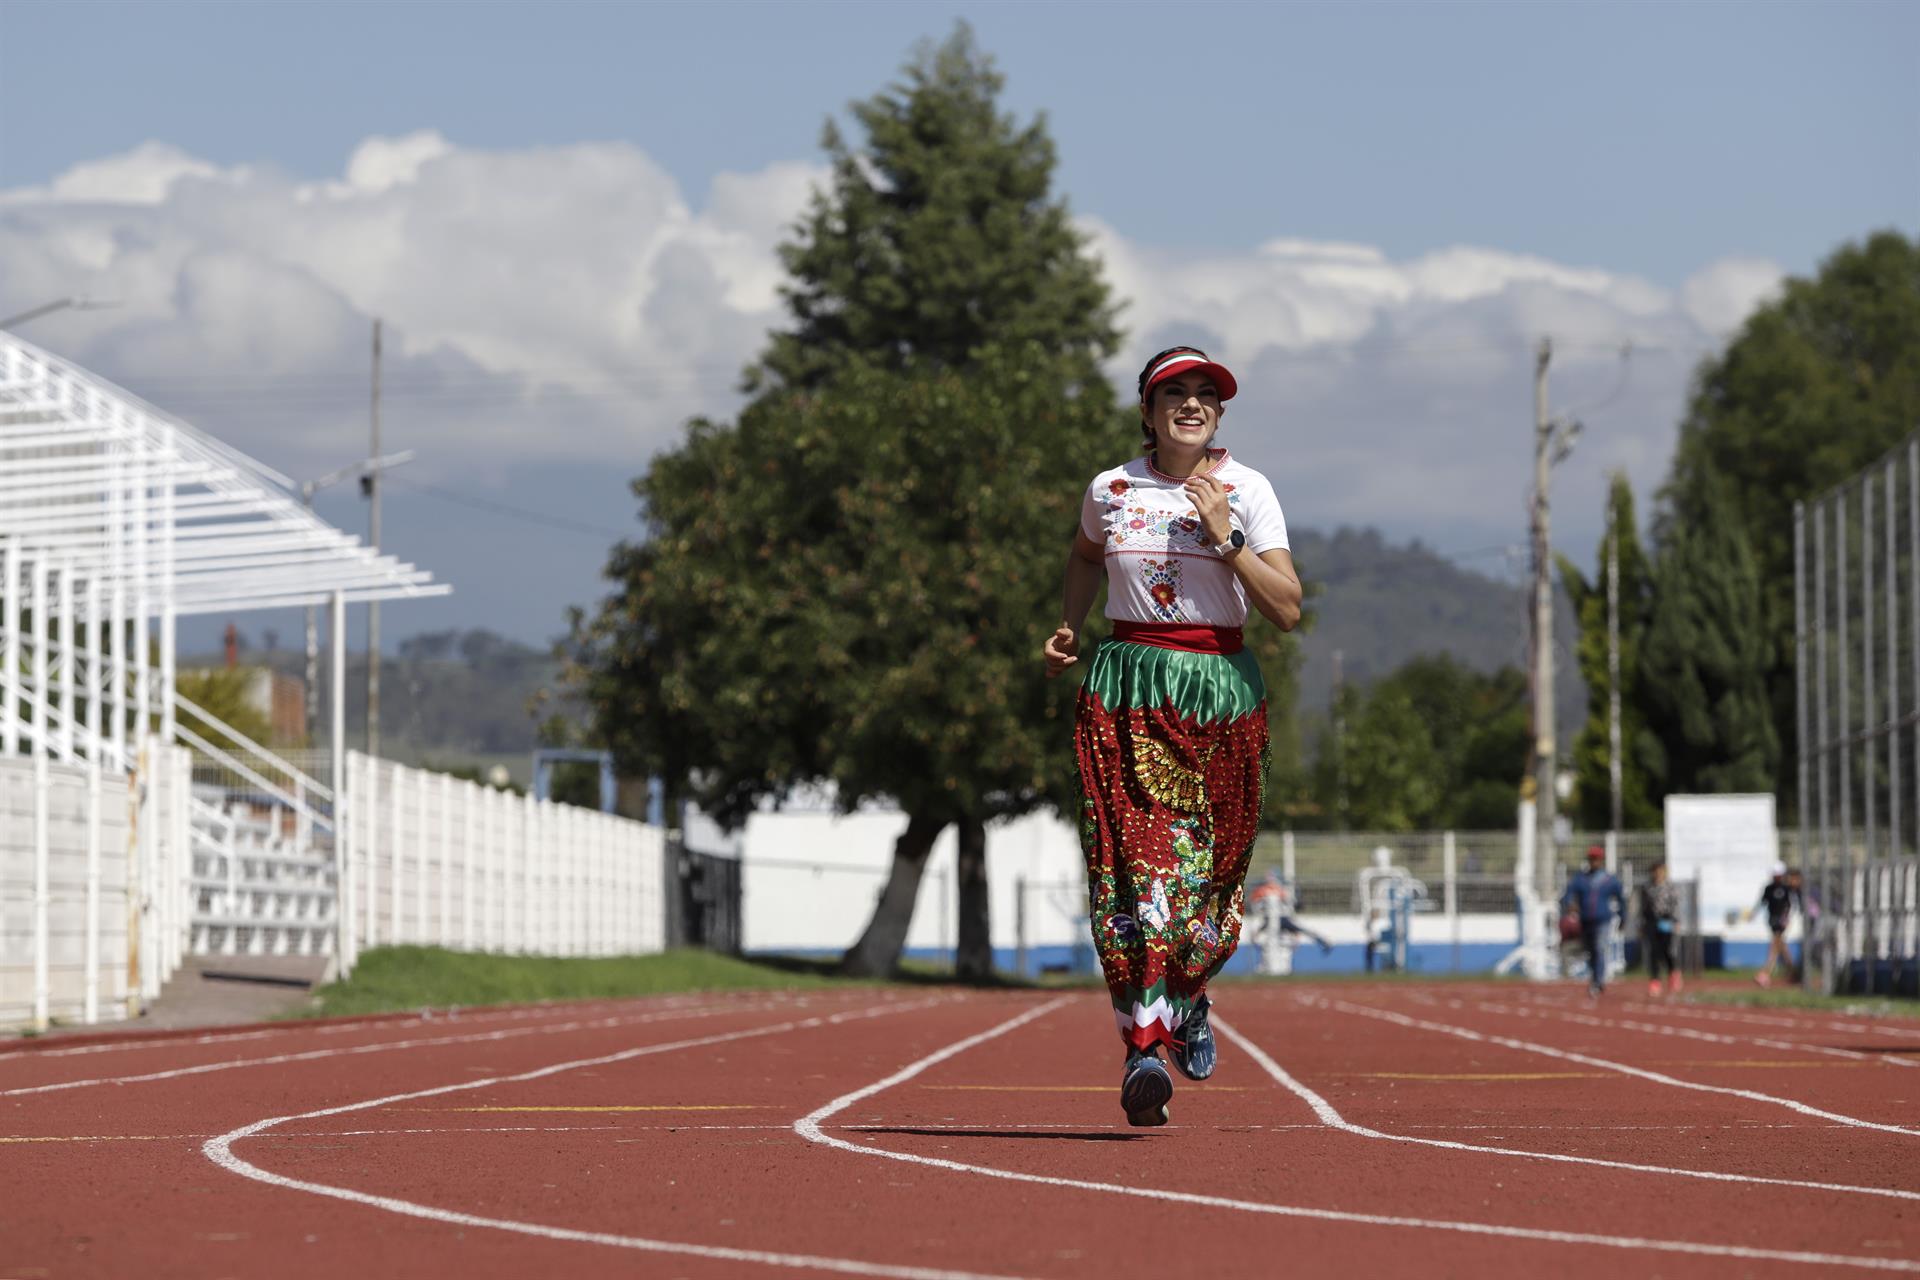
[(79, 303), (307, 489)]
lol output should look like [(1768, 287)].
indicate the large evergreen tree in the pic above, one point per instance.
[(1705, 657), (1592, 747), (1819, 383), (850, 584)]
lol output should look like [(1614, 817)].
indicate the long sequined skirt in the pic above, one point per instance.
[(1172, 756)]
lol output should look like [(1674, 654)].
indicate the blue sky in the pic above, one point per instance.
[(566, 215), (1640, 137)]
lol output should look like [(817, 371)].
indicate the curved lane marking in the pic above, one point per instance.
[(220, 1151), (1331, 1118), (1586, 1059), (809, 1127)]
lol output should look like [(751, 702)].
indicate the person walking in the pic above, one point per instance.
[(1170, 728), (1777, 898), (1597, 899), (1659, 910)]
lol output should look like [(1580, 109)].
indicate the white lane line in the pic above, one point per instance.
[(220, 1151), (1687, 1033), (1815, 1023), (1332, 1118), (1607, 1064), (381, 1046), (448, 1018), (811, 1127)]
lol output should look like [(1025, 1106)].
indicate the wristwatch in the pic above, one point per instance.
[(1234, 542)]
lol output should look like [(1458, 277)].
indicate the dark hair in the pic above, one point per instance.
[(1145, 429)]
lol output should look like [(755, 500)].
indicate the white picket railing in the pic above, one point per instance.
[(441, 861)]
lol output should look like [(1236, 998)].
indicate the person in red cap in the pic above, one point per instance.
[(1596, 897), (1170, 731)]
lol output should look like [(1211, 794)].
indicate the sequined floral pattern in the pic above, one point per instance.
[(1169, 807)]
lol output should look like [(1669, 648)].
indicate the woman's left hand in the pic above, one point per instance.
[(1209, 498)]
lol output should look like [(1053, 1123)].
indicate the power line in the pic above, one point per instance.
[(508, 509)]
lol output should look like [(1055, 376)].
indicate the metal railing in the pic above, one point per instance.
[(1857, 701)]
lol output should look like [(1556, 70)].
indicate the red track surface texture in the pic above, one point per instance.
[(1379, 1131)]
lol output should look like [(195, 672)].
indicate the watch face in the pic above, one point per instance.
[(1237, 538)]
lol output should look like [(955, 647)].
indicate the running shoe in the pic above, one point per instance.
[(1145, 1090), (1653, 987), (1194, 1052)]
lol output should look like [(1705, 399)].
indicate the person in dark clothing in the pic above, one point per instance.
[(1595, 896), (1778, 899), (1659, 906)]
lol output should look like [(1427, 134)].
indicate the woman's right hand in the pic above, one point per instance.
[(1062, 650)]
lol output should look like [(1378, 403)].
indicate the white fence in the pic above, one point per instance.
[(93, 887), (437, 860)]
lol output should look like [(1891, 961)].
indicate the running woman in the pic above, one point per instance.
[(1777, 898), (1170, 733)]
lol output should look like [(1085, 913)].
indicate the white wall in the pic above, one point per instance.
[(809, 880), (67, 906)]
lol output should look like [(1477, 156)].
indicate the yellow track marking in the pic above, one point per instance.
[(1780, 1063), (744, 1106), (1061, 1088), (108, 1137), (1482, 1075)]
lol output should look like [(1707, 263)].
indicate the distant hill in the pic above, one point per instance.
[(464, 696), (447, 698), (1381, 603)]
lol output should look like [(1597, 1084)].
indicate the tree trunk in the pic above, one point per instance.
[(877, 953), (973, 958)]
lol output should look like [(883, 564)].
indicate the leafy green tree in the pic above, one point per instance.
[(849, 584), (1434, 744), (938, 237), (1819, 383), (1705, 658), (1592, 748), (224, 693)]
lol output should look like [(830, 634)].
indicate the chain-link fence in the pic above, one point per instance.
[(1857, 693)]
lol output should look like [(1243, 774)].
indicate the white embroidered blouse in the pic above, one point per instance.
[(1160, 565)]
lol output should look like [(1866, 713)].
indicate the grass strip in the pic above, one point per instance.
[(391, 979)]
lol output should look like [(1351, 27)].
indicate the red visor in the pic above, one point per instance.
[(1191, 362)]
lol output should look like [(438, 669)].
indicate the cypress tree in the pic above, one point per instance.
[(1592, 748), (1702, 681)]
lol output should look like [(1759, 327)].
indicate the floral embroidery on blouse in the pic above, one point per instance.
[(1162, 578)]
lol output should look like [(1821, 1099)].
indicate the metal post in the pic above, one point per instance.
[(347, 944), (1613, 662), (396, 843), (1869, 706), (91, 1013), (1020, 925), (1287, 857), (11, 650), (42, 799), (10, 647), (63, 735), (1544, 735), (372, 481), (1450, 894)]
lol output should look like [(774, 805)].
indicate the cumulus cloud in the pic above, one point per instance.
[(572, 305)]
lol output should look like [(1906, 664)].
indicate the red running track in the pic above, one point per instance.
[(1472, 1130)]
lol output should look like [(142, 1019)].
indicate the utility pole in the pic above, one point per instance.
[(370, 485), (1552, 442), (1543, 726), (1613, 659), (308, 488), (1339, 739)]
